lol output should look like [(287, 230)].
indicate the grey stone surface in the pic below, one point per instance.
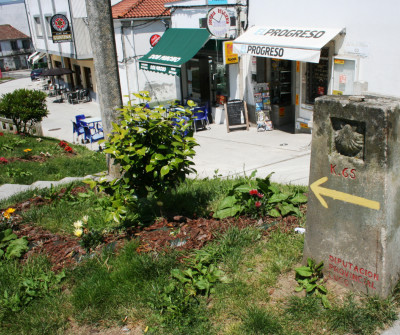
[(353, 210)]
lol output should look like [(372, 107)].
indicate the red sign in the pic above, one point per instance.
[(154, 39)]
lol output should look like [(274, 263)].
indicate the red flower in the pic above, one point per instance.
[(1, 134), (260, 195), (3, 160), (63, 144), (253, 192), (258, 204), (68, 148)]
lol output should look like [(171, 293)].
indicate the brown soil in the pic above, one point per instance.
[(178, 232)]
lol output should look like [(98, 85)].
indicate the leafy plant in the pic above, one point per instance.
[(89, 237), (259, 197), (11, 246), (153, 154), (17, 172), (24, 107), (310, 278)]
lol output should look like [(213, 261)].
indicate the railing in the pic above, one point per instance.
[(6, 125)]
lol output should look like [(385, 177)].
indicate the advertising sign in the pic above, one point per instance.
[(217, 2), (60, 29), (229, 56), (154, 39)]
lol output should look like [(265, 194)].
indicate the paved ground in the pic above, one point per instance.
[(219, 152)]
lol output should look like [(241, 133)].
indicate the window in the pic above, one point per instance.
[(38, 26), (48, 26), (26, 44), (317, 78), (14, 45)]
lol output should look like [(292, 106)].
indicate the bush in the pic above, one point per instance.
[(153, 154), (24, 107)]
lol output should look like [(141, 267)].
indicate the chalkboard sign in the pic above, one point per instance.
[(236, 115)]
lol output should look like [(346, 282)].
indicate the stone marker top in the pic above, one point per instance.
[(353, 218)]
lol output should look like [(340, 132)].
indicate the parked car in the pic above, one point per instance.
[(36, 73)]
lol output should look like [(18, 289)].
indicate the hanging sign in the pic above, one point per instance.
[(60, 29), (229, 56), (154, 39)]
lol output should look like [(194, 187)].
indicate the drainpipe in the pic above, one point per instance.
[(124, 57)]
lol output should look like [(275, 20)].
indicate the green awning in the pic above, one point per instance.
[(176, 47)]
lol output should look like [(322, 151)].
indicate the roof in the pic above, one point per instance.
[(140, 9), (8, 32)]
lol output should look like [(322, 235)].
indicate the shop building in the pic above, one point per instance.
[(138, 26), (192, 49), (72, 50), (306, 50)]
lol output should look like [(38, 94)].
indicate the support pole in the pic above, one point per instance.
[(101, 30)]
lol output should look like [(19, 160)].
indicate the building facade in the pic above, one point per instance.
[(15, 48), (75, 53), (305, 50)]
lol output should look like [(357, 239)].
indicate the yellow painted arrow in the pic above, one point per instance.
[(320, 191)]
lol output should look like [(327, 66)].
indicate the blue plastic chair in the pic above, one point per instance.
[(200, 114), (92, 137), (78, 130), (178, 123)]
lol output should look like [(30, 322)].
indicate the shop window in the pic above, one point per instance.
[(221, 79), (38, 26), (14, 45), (193, 74), (88, 78), (317, 77), (57, 64), (261, 74), (78, 76), (281, 82)]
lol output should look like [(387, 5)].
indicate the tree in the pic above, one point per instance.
[(24, 107)]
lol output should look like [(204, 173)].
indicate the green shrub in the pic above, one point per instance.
[(153, 154), (24, 107)]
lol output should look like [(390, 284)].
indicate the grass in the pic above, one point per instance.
[(130, 288), (57, 166)]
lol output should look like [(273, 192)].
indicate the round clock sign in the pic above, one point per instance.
[(218, 22), (59, 22)]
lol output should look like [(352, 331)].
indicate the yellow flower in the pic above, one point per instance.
[(78, 224), (27, 150), (8, 212), (78, 232)]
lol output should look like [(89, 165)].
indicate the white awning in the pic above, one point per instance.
[(33, 55), (301, 44), (38, 57)]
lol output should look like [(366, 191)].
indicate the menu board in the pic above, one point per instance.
[(236, 114)]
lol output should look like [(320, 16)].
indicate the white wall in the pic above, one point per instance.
[(371, 27), (136, 40), (15, 15)]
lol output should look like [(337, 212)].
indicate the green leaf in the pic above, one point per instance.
[(286, 208), (149, 168), (299, 199), (274, 213), (325, 301), (277, 197), (202, 284), (178, 274), (159, 157), (164, 170), (310, 287), (142, 151), (229, 201), (304, 271), (1, 253), (227, 212), (299, 288), (17, 247), (243, 188)]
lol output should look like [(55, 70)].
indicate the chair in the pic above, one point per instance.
[(78, 130), (92, 137), (179, 122), (83, 95), (73, 97), (200, 114)]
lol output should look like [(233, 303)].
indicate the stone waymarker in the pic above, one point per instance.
[(353, 218)]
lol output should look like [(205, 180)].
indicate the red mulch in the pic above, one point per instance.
[(34, 158), (179, 232)]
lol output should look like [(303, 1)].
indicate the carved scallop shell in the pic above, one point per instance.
[(348, 142)]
